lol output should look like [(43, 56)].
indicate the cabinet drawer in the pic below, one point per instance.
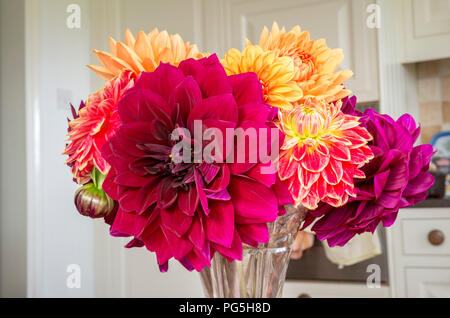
[(426, 236)]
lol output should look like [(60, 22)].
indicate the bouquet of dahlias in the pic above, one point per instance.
[(193, 156)]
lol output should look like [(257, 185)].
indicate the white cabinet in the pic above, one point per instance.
[(427, 282), (419, 253), (426, 27), (294, 289), (343, 23)]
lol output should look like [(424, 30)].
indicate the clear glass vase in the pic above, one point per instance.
[(262, 271)]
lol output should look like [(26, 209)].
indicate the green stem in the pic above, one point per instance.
[(97, 178)]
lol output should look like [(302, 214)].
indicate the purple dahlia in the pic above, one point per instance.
[(189, 211), (397, 177)]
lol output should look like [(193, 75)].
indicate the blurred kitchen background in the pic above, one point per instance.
[(399, 51)]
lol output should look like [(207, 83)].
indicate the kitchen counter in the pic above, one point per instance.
[(432, 203)]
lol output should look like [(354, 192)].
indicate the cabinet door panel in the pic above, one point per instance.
[(341, 22), (428, 282), (431, 17), (426, 28)]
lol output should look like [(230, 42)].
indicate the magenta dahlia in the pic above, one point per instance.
[(189, 211), (397, 177)]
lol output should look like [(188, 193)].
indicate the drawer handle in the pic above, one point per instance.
[(436, 237)]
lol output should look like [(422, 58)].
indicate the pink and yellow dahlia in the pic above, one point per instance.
[(323, 151), (315, 63), (93, 126), (144, 53), (275, 74)]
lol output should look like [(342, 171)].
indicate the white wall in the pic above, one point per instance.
[(13, 226), (58, 236)]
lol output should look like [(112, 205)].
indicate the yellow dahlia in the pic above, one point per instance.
[(143, 53), (322, 153), (275, 73), (315, 63)]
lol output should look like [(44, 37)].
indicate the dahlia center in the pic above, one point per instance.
[(305, 63)]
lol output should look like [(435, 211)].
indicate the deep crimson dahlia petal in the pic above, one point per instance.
[(184, 98), (253, 233), (252, 200), (259, 173), (220, 182), (167, 193), (157, 242), (282, 192), (209, 74), (188, 200), (128, 201), (234, 252), (144, 105), (200, 190), (165, 79), (128, 179), (175, 220), (134, 243), (220, 223), (246, 88), (137, 131), (222, 107), (124, 223), (192, 210), (147, 194), (198, 259), (180, 245), (197, 233)]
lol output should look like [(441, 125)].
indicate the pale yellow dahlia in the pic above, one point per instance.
[(275, 74), (315, 63), (144, 53), (322, 153)]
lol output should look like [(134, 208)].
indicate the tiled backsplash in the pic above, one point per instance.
[(433, 86)]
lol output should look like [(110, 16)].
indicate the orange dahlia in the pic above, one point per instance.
[(314, 62), (95, 124), (322, 153), (275, 74), (143, 53)]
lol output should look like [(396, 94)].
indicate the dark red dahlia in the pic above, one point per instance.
[(185, 210)]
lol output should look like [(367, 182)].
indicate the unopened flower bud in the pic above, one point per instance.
[(91, 200)]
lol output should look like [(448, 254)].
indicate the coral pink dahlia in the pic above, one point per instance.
[(95, 123), (322, 153), (189, 211)]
